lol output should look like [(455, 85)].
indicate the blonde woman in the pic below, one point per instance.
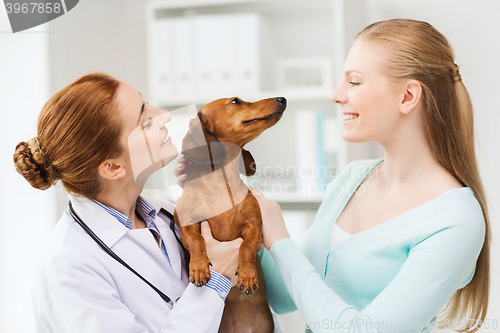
[(95, 136), (400, 238)]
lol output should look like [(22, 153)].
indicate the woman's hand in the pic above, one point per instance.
[(182, 170), (273, 225), (223, 255)]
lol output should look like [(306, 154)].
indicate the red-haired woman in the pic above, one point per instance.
[(99, 138)]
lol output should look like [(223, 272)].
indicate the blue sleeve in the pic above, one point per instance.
[(220, 284), (277, 295), (435, 269)]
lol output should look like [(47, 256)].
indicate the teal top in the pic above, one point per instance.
[(393, 277)]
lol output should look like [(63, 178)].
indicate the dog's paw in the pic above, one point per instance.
[(199, 272), (247, 279)]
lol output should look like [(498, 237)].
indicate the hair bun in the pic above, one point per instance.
[(37, 153), (33, 165)]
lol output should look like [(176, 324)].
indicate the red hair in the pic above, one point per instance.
[(78, 128)]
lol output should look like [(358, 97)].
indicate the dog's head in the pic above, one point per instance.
[(230, 120), (239, 122)]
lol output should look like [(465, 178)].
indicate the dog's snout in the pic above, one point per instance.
[(281, 100)]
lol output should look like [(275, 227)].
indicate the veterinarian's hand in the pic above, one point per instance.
[(182, 170), (222, 255), (273, 225)]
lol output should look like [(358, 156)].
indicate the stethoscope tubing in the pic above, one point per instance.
[(117, 258)]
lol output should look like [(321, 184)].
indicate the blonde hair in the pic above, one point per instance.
[(416, 50)]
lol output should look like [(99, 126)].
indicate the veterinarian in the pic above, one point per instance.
[(399, 238), (94, 136)]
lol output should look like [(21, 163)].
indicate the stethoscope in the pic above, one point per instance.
[(120, 260)]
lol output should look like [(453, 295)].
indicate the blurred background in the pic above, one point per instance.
[(184, 52)]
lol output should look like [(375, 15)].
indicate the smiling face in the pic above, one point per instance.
[(145, 136), (239, 122), (369, 101)]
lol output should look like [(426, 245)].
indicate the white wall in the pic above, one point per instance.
[(26, 214), (109, 36), (473, 29)]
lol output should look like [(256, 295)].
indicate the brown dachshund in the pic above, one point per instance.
[(215, 192)]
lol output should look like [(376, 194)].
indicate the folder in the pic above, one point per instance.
[(161, 89), (184, 58), (307, 154), (215, 45), (247, 49)]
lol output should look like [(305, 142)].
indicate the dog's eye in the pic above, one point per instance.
[(236, 101)]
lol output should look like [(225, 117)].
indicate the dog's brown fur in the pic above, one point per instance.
[(228, 125)]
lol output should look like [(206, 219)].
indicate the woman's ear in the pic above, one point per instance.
[(412, 96), (112, 169)]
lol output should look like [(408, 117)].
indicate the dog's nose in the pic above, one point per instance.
[(281, 100)]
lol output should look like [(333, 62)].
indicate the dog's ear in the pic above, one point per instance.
[(248, 168), (200, 145)]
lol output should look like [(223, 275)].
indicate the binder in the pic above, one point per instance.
[(183, 58), (247, 49), (332, 135), (307, 154), (204, 57), (215, 44), (161, 63), (322, 172)]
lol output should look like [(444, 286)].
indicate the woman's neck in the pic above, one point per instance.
[(405, 168), (408, 158), (123, 200)]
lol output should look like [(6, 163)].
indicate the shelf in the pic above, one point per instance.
[(240, 5), (193, 60), (286, 202), (295, 198), (297, 202), (282, 32), (303, 95)]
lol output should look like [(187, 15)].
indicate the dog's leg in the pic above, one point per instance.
[(199, 270), (252, 240), (193, 241)]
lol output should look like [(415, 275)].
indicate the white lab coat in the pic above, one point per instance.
[(80, 288)]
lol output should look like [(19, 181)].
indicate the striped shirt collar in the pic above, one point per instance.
[(218, 282), (147, 212)]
